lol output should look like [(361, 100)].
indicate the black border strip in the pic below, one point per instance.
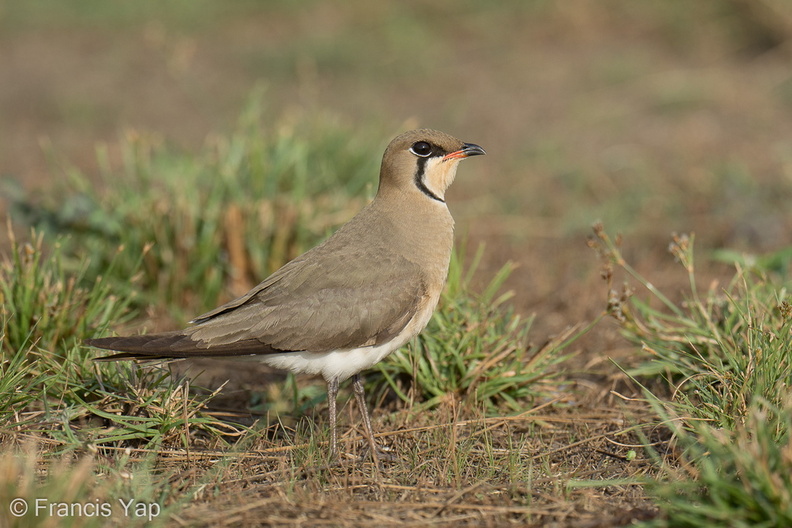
[(419, 180)]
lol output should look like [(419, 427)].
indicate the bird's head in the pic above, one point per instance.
[(424, 160)]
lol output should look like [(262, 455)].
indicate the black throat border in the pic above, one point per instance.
[(419, 180)]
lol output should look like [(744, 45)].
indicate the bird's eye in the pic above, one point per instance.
[(421, 148)]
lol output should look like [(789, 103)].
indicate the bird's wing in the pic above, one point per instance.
[(331, 302), (328, 301)]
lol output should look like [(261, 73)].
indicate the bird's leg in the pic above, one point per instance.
[(361, 401), (332, 393)]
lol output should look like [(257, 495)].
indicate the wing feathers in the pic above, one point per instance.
[(330, 298), (313, 319)]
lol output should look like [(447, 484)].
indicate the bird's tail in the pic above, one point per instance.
[(175, 345), (150, 346)]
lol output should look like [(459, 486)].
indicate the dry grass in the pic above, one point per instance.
[(532, 469), (562, 463)]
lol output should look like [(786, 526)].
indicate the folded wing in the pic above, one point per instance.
[(325, 300)]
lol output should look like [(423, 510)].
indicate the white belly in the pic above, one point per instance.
[(339, 364)]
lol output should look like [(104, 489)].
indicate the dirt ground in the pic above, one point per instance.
[(653, 118)]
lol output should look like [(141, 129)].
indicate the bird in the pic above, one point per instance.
[(344, 305)]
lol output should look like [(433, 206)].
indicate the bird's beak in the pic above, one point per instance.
[(467, 150)]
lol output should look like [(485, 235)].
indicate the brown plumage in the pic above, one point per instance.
[(347, 303)]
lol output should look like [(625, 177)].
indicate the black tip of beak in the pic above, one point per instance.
[(471, 149)]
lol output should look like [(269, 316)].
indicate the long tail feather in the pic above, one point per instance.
[(176, 344)]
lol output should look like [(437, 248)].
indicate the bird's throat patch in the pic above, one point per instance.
[(420, 178)]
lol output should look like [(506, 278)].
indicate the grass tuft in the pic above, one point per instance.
[(209, 225), (475, 349), (51, 387), (740, 477), (725, 359), (719, 351), (44, 306)]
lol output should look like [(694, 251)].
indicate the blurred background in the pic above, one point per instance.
[(653, 117)]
